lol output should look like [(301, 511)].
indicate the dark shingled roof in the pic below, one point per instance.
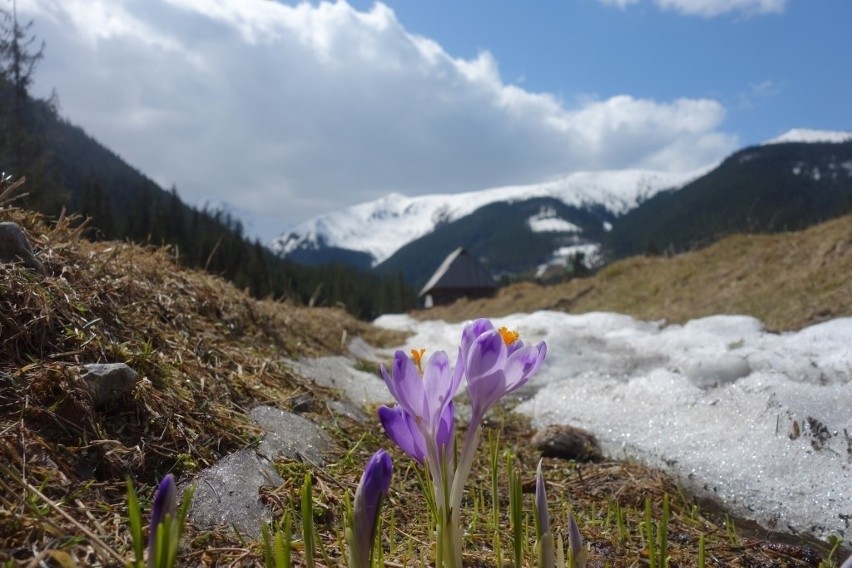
[(459, 270)]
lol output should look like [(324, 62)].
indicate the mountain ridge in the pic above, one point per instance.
[(636, 211), (381, 227)]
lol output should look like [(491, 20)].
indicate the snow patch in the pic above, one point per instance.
[(811, 136), (546, 221), (756, 420)]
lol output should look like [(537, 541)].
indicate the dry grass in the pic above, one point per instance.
[(788, 281), (207, 353)]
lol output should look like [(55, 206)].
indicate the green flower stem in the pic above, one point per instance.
[(465, 463)]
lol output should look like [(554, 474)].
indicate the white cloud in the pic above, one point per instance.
[(620, 3), (712, 8), (293, 111)]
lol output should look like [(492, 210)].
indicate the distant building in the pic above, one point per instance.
[(459, 276)]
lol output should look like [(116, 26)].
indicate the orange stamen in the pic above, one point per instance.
[(417, 356), (509, 336)]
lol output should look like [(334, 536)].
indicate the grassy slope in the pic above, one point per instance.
[(208, 352), (787, 280)]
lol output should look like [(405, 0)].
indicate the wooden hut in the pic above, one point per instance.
[(459, 276)]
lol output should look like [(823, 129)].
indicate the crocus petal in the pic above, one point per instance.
[(515, 346), (522, 364), (371, 491), (487, 354), (165, 503), (541, 502), (407, 385), (848, 563), (458, 373), (437, 382), (471, 332), (575, 543), (484, 391), (446, 429), (400, 427)]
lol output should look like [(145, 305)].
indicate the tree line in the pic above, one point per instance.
[(68, 170)]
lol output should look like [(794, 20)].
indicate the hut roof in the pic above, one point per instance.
[(459, 270)]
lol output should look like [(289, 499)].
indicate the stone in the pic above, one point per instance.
[(301, 403), (567, 442), (348, 410), (109, 381), (15, 247)]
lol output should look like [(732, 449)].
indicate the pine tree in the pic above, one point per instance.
[(22, 151)]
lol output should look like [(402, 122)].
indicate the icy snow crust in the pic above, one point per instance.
[(383, 226), (758, 421)]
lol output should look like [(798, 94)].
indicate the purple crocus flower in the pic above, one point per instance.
[(374, 485), (165, 503), (544, 537), (424, 418), (496, 363), (541, 513), (575, 544), (401, 427), (423, 393)]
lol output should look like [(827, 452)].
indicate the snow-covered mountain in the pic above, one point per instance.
[(811, 136), (368, 234), (380, 228)]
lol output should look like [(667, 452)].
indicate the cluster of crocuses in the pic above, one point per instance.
[(494, 362)]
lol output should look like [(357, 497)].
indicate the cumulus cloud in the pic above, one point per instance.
[(712, 8), (290, 111)]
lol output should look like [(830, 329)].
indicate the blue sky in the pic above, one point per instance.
[(772, 71), (288, 111)]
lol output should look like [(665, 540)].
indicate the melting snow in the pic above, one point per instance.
[(757, 420)]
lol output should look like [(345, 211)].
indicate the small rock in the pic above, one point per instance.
[(567, 442), (109, 381), (15, 247), (347, 409), (301, 403)]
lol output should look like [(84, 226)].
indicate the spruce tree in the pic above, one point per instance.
[(22, 126)]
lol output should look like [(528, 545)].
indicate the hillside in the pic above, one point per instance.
[(763, 189), (795, 181), (787, 280), (513, 248), (382, 227), (206, 354), (68, 170)]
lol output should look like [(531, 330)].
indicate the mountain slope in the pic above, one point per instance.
[(507, 237), (380, 228), (787, 280), (78, 175), (769, 188), (790, 182)]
